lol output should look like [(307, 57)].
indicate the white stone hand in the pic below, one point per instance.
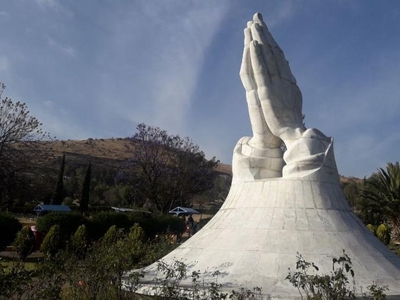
[(259, 156), (274, 102), (262, 135), (279, 96)]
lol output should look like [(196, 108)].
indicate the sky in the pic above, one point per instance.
[(97, 68)]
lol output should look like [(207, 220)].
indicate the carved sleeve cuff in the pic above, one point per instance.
[(250, 163), (311, 153)]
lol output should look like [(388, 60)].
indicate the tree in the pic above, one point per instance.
[(19, 155), (382, 195), (24, 242), (166, 169), (80, 242), (59, 193), (52, 242), (351, 191), (84, 204), (9, 228)]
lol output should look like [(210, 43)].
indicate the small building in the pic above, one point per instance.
[(183, 211), (47, 208)]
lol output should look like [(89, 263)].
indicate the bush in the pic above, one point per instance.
[(52, 242), (102, 221), (371, 228), (112, 236), (137, 234), (173, 224), (80, 242), (339, 285), (151, 225), (147, 222), (383, 233), (26, 209), (9, 227), (155, 224), (68, 222), (24, 243)]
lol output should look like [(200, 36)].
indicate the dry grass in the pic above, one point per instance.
[(110, 152)]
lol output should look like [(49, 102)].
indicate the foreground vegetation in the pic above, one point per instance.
[(79, 263), (101, 274)]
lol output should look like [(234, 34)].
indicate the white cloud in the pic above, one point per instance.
[(181, 61), (170, 43), (67, 50)]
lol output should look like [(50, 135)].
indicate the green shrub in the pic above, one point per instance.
[(102, 221), (52, 242), (371, 228), (24, 243), (68, 222), (112, 236), (137, 234), (339, 285), (80, 242), (147, 222), (173, 224), (156, 224), (151, 224), (26, 209), (383, 233), (9, 227)]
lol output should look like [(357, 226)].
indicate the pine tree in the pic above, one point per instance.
[(58, 196), (84, 204)]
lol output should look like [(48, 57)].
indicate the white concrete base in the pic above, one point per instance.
[(255, 237)]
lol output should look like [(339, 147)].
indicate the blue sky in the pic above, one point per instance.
[(98, 68)]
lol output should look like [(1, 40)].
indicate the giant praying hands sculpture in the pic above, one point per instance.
[(279, 204), (274, 101)]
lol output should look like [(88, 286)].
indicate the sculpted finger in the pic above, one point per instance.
[(261, 75), (246, 70), (258, 124), (262, 135), (247, 37), (266, 48), (265, 37), (258, 19)]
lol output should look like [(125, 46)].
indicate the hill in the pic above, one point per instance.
[(111, 153), (101, 152)]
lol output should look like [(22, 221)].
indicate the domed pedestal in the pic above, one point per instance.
[(256, 235)]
